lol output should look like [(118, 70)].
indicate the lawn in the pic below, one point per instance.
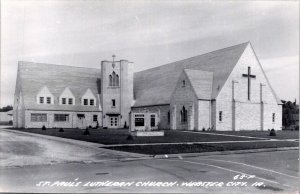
[(111, 137), (119, 136)]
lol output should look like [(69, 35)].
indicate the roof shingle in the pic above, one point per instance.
[(34, 76), (201, 82), (155, 86)]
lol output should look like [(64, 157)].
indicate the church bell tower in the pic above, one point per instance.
[(116, 93)]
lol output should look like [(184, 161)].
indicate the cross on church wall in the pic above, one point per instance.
[(249, 76)]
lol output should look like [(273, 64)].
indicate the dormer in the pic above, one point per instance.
[(44, 96), (67, 97), (88, 98)]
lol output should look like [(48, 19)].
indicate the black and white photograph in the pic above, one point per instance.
[(149, 96)]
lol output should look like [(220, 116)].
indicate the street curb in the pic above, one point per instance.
[(165, 156), (80, 143)]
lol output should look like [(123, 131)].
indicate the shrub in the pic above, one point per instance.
[(10, 122), (61, 130), (272, 132), (203, 129), (43, 128), (90, 126), (86, 132), (129, 138), (297, 128)]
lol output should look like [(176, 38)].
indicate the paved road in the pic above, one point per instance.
[(275, 171)]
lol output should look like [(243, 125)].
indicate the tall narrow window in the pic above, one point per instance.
[(152, 121), (85, 101), (220, 115), (183, 114), (41, 100), (117, 80), (169, 117), (183, 83), (273, 117), (113, 103), (70, 101), (110, 80)]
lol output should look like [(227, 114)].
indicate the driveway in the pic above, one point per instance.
[(23, 149)]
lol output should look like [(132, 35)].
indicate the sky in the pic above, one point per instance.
[(148, 33)]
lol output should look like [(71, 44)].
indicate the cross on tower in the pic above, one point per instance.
[(249, 76), (113, 63)]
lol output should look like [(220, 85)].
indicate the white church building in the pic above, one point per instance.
[(223, 90)]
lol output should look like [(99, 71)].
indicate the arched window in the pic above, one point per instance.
[(117, 80), (110, 80), (183, 115), (114, 79)]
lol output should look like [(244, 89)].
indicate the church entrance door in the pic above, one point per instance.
[(113, 122)]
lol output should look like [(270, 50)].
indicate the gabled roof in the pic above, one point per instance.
[(155, 86), (34, 76), (201, 82)]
